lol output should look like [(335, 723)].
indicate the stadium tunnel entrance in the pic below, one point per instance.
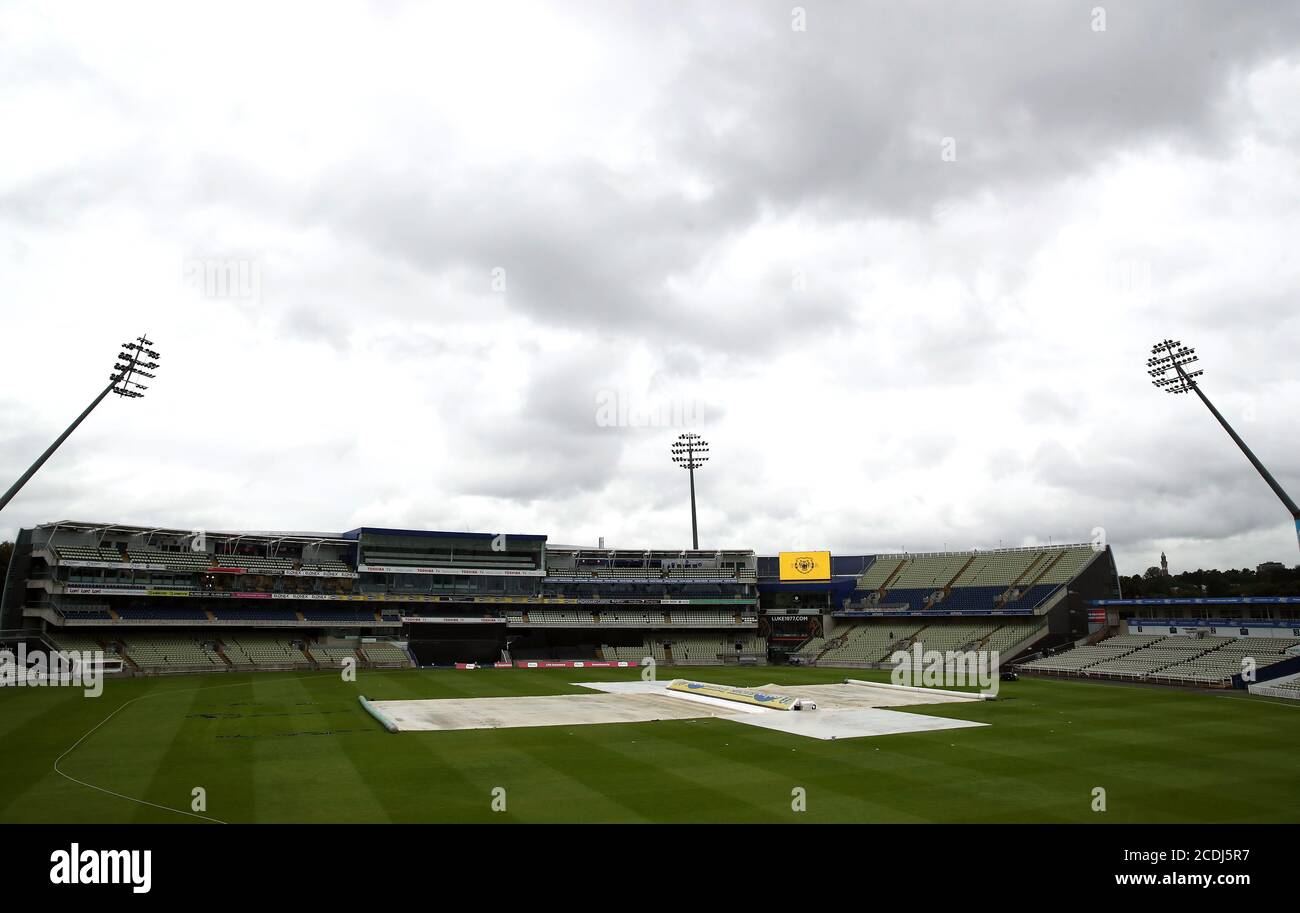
[(445, 645)]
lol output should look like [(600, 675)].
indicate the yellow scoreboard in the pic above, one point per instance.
[(805, 565)]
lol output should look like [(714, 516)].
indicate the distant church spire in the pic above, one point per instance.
[(1164, 565)]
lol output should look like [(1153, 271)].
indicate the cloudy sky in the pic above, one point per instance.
[(475, 265)]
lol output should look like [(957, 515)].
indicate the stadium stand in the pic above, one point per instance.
[(252, 650), (1287, 686), (160, 652), (180, 561), (689, 648), (972, 581), (79, 553), (1172, 659), (385, 653), (72, 640), (331, 657), (872, 642)]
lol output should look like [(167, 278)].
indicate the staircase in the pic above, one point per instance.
[(880, 592)]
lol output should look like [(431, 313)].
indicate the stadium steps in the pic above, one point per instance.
[(1046, 570), (1032, 636), (880, 592), (1027, 571), (832, 644), (1120, 655), (942, 593), (1017, 589), (957, 576)]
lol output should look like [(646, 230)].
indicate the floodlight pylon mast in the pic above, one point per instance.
[(130, 365), (1171, 353), (690, 451)]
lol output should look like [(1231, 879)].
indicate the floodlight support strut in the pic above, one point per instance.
[(49, 451), (690, 451), (1254, 460), (695, 529), (1267, 476), (132, 363)]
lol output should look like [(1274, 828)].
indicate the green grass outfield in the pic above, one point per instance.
[(297, 747)]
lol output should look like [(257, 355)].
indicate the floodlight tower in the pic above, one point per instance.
[(131, 363), (1171, 353), (690, 451)]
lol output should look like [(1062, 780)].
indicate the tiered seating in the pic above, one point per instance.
[(339, 616), (975, 580), (1287, 687), (675, 616), (102, 583), (688, 572), (1225, 661), (331, 656), (250, 613), (385, 653), (81, 553), (153, 652), (249, 650), (625, 653), (557, 617), (1205, 660), (162, 613), (711, 618), (811, 647), (1165, 651), (180, 561), (1082, 657), (695, 648), (629, 619), (1012, 632), (954, 636), (705, 648), (1045, 566), (197, 651), (68, 640), (256, 563), (334, 567), (1074, 560), (875, 641), (869, 643), (88, 611)]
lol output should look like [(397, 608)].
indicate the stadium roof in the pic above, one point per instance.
[(436, 534), (129, 530)]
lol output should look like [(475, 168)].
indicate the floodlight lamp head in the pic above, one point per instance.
[(1168, 355), (130, 364)]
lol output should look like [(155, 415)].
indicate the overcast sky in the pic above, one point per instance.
[(475, 265)]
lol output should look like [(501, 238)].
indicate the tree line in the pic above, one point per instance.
[(1272, 581)]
